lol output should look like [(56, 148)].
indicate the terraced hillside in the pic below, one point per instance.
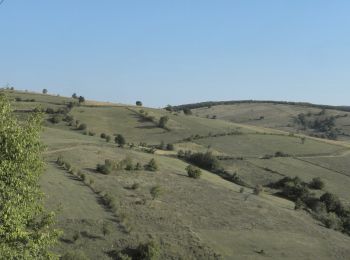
[(218, 216)]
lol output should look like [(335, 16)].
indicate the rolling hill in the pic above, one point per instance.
[(218, 216)]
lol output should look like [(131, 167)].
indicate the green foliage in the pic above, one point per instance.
[(81, 99), (74, 255), (55, 119), (138, 103), (163, 121), (204, 160), (151, 165), (187, 111), (44, 91), (148, 251), (106, 168), (193, 172), (258, 189), (317, 183), (82, 127), (155, 191), (106, 228), (25, 228), (120, 140), (170, 147)]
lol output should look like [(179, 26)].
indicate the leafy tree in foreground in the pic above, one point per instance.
[(25, 229)]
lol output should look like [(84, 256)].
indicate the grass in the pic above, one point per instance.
[(192, 219)]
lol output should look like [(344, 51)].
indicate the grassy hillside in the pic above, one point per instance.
[(106, 215), (275, 115)]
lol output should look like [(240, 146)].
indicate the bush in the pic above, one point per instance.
[(331, 201), (332, 221), (170, 147), (148, 251), (49, 110), (103, 135), (155, 191), (92, 133), (204, 160), (44, 91), (163, 121), (74, 255), (138, 103), (120, 140), (108, 138), (151, 165), (193, 172), (317, 184), (82, 127), (187, 111), (109, 202), (258, 189), (55, 119), (135, 186), (106, 168)]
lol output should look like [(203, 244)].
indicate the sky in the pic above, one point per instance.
[(178, 51)]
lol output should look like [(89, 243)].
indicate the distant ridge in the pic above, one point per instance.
[(233, 102)]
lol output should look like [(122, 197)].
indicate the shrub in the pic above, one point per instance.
[(55, 119), (241, 190), (135, 186), (109, 202), (151, 165), (82, 127), (204, 160), (163, 121), (257, 189), (316, 183), (148, 251), (138, 103), (49, 110), (138, 166), (155, 191), (120, 140), (74, 255), (281, 154), (108, 138), (332, 221), (106, 168), (44, 91), (331, 201), (81, 99), (193, 172), (92, 133), (106, 228), (103, 135), (170, 147), (187, 111)]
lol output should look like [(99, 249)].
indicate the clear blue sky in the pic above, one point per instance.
[(179, 51)]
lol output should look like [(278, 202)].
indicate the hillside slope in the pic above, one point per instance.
[(105, 215)]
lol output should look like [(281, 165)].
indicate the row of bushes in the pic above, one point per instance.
[(126, 164)]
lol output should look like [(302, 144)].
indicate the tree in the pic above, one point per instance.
[(74, 96), (138, 103), (81, 99), (44, 91), (25, 228), (163, 121), (316, 183), (120, 140)]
